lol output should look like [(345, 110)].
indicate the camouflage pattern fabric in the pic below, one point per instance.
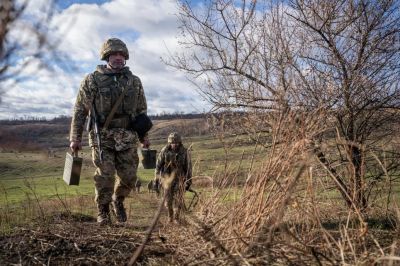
[(118, 139), (103, 88), (169, 160), (111, 46), (177, 164), (119, 145), (124, 164)]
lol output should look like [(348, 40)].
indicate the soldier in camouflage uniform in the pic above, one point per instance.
[(174, 166), (119, 142)]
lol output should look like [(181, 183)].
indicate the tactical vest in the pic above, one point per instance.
[(175, 161), (109, 88)]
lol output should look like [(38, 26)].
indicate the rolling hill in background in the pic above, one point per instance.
[(35, 135)]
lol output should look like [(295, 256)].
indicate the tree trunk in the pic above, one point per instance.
[(358, 189), (340, 184)]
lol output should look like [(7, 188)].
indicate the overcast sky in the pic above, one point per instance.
[(149, 28)]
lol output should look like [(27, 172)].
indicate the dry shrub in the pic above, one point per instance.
[(203, 181), (10, 142), (287, 211), (32, 137)]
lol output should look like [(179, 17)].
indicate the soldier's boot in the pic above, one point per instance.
[(119, 209), (103, 216)]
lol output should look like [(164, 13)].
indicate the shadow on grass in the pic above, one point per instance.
[(381, 223)]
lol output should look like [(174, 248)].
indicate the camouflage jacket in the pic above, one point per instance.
[(179, 161), (102, 88)]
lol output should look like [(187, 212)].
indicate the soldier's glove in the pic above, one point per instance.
[(145, 142)]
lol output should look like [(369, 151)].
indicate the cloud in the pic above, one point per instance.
[(46, 94), (149, 29)]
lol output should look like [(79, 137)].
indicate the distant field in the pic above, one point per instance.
[(27, 174), (27, 166), (30, 177)]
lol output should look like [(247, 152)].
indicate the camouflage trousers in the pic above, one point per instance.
[(116, 175), (174, 201)]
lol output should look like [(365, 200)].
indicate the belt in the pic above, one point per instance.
[(122, 122)]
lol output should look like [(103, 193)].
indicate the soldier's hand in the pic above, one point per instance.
[(75, 146), (146, 143)]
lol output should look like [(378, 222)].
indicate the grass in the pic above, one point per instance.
[(28, 177), (21, 173), (31, 182), (32, 190), (48, 185)]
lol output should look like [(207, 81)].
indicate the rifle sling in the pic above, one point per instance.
[(117, 103)]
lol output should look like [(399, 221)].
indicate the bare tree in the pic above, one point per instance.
[(24, 39), (335, 60), (351, 50)]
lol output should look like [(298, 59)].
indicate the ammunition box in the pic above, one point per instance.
[(72, 169)]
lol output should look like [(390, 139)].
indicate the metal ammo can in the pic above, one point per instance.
[(149, 158), (72, 169)]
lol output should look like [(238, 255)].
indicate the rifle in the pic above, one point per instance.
[(194, 200), (96, 129), (157, 184)]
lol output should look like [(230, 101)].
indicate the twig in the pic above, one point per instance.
[(208, 235), (153, 224)]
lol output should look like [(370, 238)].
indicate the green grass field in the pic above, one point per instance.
[(31, 182), (33, 176), (27, 175), (33, 195)]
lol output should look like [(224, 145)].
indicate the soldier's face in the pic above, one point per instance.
[(174, 146), (116, 60)]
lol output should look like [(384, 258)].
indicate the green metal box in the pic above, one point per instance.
[(149, 158), (72, 169)]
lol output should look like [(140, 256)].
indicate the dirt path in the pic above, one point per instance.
[(76, 239)]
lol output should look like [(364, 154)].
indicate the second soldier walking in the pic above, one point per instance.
[(174, 167)]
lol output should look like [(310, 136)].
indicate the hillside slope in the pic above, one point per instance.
[(46, 135)]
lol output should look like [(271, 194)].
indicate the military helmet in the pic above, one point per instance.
[(174, 137), (111, 46)]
